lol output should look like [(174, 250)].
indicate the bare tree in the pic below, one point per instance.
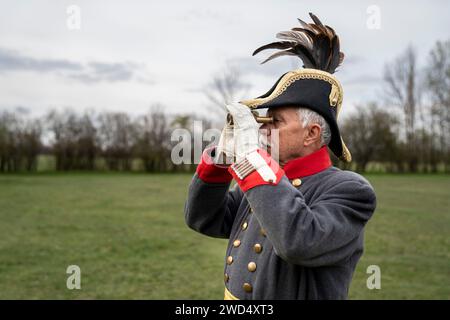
[(75, 141), (10, 158), (225, 86), (152, 140), (88, 142), (116, 134), (20, 141), (371, 136), (438, 89), (31, 144), (402, 91)]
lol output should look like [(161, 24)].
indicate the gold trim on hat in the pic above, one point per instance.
[(346, 155), (336, 95), (292, 76)]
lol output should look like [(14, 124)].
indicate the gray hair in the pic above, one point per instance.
[(308, 116)]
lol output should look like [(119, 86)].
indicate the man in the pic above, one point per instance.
[(295, 227)]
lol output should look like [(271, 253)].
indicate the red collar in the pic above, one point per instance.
[(308, 165)]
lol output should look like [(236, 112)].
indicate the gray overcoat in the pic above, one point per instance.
[(286, 242)]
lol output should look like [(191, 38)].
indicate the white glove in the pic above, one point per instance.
[(225, 147), (246, 130)]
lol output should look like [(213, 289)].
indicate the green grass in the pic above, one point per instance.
[(408, 238), (127, 234)]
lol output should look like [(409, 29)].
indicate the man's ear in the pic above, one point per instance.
[(312, 134)]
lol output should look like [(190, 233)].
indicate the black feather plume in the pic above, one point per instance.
[(316, 44)]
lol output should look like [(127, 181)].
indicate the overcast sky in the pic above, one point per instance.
[(129, 55)]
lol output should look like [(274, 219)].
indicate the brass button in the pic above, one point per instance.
[(296, 182), (263, 232), (244, 225), (226, 277), (257, 247), (247, 287), (237, 243), (251, 266), (229, 260), (251, 210)]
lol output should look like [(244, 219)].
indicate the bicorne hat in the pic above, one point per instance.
[(313, 87)]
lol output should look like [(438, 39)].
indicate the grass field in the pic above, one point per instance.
[(127, 234)]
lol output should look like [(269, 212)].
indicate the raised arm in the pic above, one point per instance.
[(211, 207)]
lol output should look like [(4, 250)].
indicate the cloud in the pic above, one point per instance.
[(90, 72), (10, 60)]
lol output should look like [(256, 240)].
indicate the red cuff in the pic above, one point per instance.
[(254, 179), (210, 172)]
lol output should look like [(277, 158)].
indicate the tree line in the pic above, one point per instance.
[(410, 131), (114, 141), (406, 131)]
